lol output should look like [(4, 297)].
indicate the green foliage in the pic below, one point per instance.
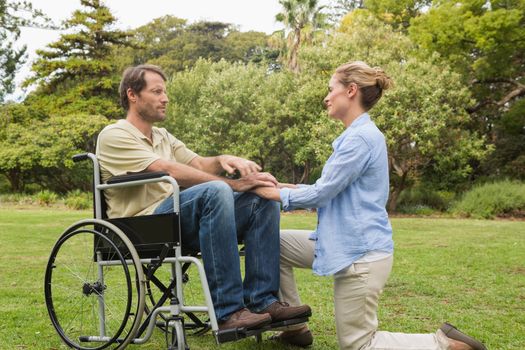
[(397, 13), (78, 73), (474, 36), (13, 16), (42, 150), (302, 20), (509, 154), (277, 118), (175, 45), (46, 197), (484, 42), (424, 199), (241, 109), (423, 117), (78, 200), (502, 198)]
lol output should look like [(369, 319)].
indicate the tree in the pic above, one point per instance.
[(302, 18), (175, 45), (484, 42), (79, 70), (340, 8), (424, 117), (13, 16), (397, 13), (40, 151), (273, 118)]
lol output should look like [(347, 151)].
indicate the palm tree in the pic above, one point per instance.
[(302, 18)]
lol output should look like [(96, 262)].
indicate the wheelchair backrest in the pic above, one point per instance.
[(148, 233)]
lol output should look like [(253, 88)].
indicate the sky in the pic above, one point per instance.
[(256, 15)]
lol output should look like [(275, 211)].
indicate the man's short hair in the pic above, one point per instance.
[(133, 78)]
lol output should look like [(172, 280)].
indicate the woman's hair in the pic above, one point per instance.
[(371, 81), (133, 78)]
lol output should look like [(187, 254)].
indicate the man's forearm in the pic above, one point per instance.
[(210, 165), (185, 175)]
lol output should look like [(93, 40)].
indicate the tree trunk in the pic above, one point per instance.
[(293, 63), (306, 173), (394, 195), (14, 176)]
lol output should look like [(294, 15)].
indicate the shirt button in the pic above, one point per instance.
[(315, 255)]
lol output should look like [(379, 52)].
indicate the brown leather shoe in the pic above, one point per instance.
[(283, 311), (298, 337), (453, 333), (246, 319)]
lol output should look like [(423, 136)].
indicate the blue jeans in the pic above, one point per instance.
[(213, 220)]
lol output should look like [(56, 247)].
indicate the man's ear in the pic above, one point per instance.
[(132, 97)]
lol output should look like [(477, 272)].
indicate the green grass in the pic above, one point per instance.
[(468, 272)]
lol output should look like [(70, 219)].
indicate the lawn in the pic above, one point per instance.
[(468, 272)]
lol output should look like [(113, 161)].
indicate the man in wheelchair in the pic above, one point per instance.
[(215, 212)]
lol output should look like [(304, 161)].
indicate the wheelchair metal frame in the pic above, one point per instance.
[(177, 306)]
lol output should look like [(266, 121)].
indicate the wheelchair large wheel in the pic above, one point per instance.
[(94, 287)]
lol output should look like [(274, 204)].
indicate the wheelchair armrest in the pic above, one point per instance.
[(80, 157), (136, 177)]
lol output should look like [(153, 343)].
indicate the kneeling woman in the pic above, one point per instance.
[(353, 239)]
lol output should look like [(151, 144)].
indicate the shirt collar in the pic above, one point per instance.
[(155, 134), (362, 119)]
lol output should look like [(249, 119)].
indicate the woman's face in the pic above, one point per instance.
[(339, 98)]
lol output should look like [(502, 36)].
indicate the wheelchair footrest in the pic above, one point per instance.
[(228, 335)]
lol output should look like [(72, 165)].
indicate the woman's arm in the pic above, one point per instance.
[(348, 162)]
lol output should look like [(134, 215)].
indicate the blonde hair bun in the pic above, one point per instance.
[(383, 80), (371, 81)]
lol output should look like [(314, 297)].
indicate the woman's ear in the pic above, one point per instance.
[(352, 90)]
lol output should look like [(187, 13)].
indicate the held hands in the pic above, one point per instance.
[(253, 180), (272, 193), (244, 166), (264, 184)]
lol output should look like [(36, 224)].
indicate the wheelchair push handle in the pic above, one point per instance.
[(80, 157)]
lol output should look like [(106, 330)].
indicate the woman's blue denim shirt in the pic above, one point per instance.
[(350, 198)]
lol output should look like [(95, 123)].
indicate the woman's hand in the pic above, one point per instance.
[(283, 185), (271, 193)]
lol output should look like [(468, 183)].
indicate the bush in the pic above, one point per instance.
[(46, 197), (78, 200), (423, 201), (16, 198), (502, 198)]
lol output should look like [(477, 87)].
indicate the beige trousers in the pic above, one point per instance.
[(356, 294)]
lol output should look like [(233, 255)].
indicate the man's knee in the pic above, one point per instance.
[(273, 207), (219, 190)]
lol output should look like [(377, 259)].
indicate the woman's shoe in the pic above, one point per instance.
[(299, 337), (453, 333)]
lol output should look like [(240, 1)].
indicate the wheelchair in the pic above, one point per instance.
[(101, 275)]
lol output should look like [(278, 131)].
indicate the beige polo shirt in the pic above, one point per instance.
[(122, 149)]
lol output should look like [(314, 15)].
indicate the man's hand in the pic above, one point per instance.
[(232, 163), (253, 180)]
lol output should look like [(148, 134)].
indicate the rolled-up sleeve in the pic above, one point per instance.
[(346, 164), (119, 152)]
